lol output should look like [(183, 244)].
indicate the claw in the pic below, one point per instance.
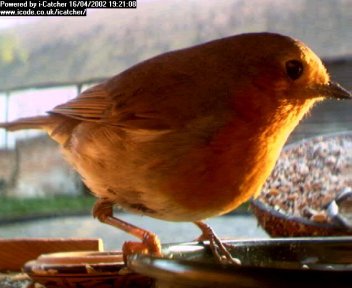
[(218, 249), (149, 245), (130, 248)]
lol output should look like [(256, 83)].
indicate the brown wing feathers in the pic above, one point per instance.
[(91, 105)]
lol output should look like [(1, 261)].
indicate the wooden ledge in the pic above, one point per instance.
[(15, 252)]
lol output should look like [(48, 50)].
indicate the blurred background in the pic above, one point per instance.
[(45, 61)]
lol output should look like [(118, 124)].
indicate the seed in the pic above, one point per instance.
[(274, 192), (319, 217), (309, 175)]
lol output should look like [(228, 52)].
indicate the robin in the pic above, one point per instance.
[(188, 134)]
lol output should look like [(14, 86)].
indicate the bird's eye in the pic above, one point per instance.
[(294, 69)]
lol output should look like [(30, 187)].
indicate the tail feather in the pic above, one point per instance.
[(38, 122)]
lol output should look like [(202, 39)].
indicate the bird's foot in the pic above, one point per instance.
[(218, 248), (150, 245), (150, 242)]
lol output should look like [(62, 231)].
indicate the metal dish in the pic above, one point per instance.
[(288, 262), (278, 224)]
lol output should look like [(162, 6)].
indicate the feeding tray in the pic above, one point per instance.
[(84, 270), (309, 193), (282, 262), (286, 262)]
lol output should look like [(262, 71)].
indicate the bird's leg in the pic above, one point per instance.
[(103, 210), (218, 249)]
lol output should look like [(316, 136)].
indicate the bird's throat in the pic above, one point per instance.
[(264, 149)]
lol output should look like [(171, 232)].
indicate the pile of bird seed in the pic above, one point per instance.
[(308, 175)]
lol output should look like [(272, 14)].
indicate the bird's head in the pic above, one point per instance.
[(278, 71), (286, 68)]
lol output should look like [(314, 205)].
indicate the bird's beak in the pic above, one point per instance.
[(333, 90)]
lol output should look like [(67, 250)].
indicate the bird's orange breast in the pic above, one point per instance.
[(218, 177)]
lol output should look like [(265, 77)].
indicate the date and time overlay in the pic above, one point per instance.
[(59, 8)]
